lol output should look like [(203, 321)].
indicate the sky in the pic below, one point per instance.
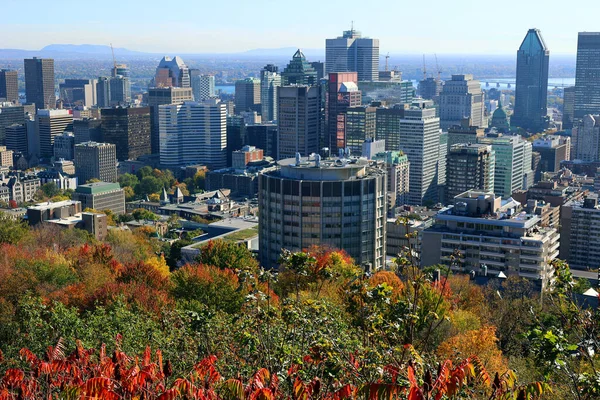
[(224, 26)]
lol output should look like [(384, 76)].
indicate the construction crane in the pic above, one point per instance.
[(113, 55), (424, 68), (387, 56), (437, 67)]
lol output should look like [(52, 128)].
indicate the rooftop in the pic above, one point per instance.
[(97, 187), (52, 205)]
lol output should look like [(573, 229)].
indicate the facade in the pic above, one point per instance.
[(263, 136), (387, 126), (587, 84), (50, 124), (389, 92), (586, 138), (299, 72), (430, 89), (491, 235), (270, 80), (342, 93), (23, 189), (157, 97), (193, 133), (87, 130), (298, 120), (6, 157), (43, 212), (353, 53), (129, 129), (9, 88), (16, 138), (172, 72), (464, 133), (113, 91), (470, 167), (96, 161), (62, 181), (335, 202), (10, 114), (500, 119), (568, 107), (531, 90), (360, 127), (78, 92), (64, 146), (579, 227), (461, 97), (203, 87), (39, 82), (398, 176), (101, 196), (248, 154), (236, 135), (553, 149), (247, 95)]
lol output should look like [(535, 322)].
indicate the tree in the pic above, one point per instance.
[(129, 193), (93, 180), (143, 172), (128, 180), (12, 231), (224, 255), (143, 214), (148, 185), (50, 189)]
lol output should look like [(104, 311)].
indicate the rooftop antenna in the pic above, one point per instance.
[(387, 56), (424, 68)]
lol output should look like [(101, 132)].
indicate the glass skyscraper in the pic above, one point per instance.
[(587, 75), (531, 92)]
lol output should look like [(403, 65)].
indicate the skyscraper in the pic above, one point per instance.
[(270, 80), (172, 72), (203, 86), (387, 126), (531, 91), (95, 161), (39, 82), (587, 75), (430, 88), (157, 97), (113, 91), (470, 167), (298, 120), (79, 92), (193, 133), (9, 89), (360, 126), (10, 114), (568, 107), (353, 53), (247, 95), (342, 93), (461, 97), (299, 71), (586, 138), (51, 123), (129, 129)]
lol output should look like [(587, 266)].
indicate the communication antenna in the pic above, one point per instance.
[(424, 68)]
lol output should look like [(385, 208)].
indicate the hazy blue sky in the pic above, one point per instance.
[(403, 26)]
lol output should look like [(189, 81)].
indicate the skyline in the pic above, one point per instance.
[(455, 28)]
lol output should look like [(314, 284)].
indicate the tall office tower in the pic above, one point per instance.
[(160, 96), (299, 72), (16, 138), (172, 72), (513, 163), (263, 136), (10, 114), (465, 133), (587, 75), (586, 138), (470, 167), (531, 91), (320, 68), (247, 95), (342, 93), (343, 205), (95, 160), (51, 123), (79, 92), (298, 120), (351, 52), (87, 130), (236, 135), (203, 86), (120, 91), (430, 89), (64, 146), (553, 149), (398, 173), (270, 80), (39, 82), (129, 129), (461, 97), (9, 89), (360, 126), (193, 133), (103, 92), (419, 138), (568, 107), (387, 126), (442, 162)]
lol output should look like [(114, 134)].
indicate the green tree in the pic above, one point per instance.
[(12, 231), (143, 214), (148, 185), (223, 255), (50, 189), (129, 193), (143, 172), (128, 180)]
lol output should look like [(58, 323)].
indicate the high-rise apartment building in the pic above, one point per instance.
[(159, 96), (247, 95), (326, 201), (353, 53), (568, 107), (360, 126), (299, 71), (579, 238), (270, 80), (586, 138), (203, 86), (39, 82), (172, 72), (461, 97), (9, 88), (96, 161), (49, 124), (342, 93), (193, 133), (470, 167), (587, 75), (79, 92), (298, 121), (129, 129), (531, 90)]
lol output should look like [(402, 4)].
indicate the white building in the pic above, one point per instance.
[(461, 97), (586, 138), (353, 53), (193, 133), (270, 80), (203, 87)]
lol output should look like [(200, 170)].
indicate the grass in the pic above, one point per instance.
[(241, 235)]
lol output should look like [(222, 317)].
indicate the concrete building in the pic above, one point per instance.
[(387, 126), (586, 138), (160, 96), (43, 212), (50, 124), (464, 133), (241, 158), (87, 130), (172, 72), (342, 93), (553, 149), (101, 196), (113, 91), (568, 107), (64, 146), (193, 133), (129, 129), (299, 72), (493, 236), (430, 89), (39, 82), (247, 95), (10, 114), (270, 80), (579, 227), (9, 87), (587, 84), (263, 136), (79, 92), (298, 121), (461, 97), (6, 157), (335, 202), (360, 127), (203, 87), (16, 138), (96, 161), (351, 52), (470, 167), (398, 176), (370, 148)]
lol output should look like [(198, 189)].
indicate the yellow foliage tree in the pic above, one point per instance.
[(155, 197), (160, 264)]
